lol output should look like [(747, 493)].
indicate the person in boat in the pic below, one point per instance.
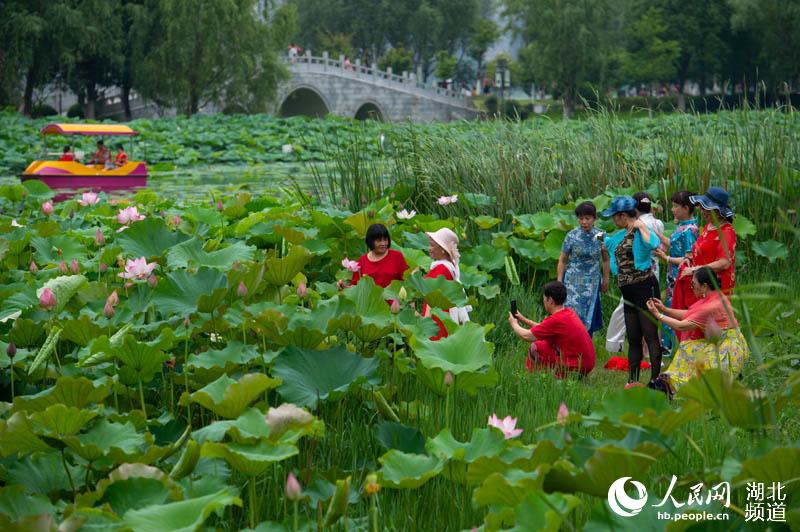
[(122, 157), (67, 154), (102, 155)]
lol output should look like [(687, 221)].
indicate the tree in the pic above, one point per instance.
[(212, 52), (446, 65), (566, 42), (484, 33), (399, 59), (649, 56)]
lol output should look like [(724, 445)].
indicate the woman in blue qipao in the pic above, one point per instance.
[(584, 268)]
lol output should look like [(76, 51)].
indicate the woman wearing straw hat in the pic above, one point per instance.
[(715, 247), (443, 250)]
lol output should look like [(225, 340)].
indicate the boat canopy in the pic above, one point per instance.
[(88, 129)]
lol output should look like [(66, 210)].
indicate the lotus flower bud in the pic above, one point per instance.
[(103, 267), (99, 239), (302, 291), (241, 291), (177, 219), (152, 281), (293, 491), (108, 310), (563, 413), (47, 299), (33, 268), (113, 299), (186, 322), (47, 208), (62, 266), (403, 294), (448, 379), (73, 266), (11, 350), (128, 285), (395, 306), (220, 205), (372, 487)]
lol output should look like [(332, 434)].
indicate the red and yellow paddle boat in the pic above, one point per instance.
[(68, 176)]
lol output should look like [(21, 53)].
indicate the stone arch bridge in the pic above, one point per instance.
[(320, 85)]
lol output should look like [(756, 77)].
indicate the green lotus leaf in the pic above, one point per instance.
[(47, 249), (780, 461), (304, 328), (59, 421), (141, 358), (485, 256), (486, 222), (17, 437), (180, 292), (148, 238), (553, 242), (393, 435), (513, 457), (529, 249), (249, 427), (42, 474), (229, 398), (466, 350), (740, 406), (81, 330), (771, 250), (544, 511), (26, 333), (363, 311), (438, 292), (191, 254), (484, 443), (233, 355), (469, 382), (490, 291), (63, 287), (743, 227), (281, 271), (539, 222), (642, 407), (338, 505), (603, 519), (16, 504), (22, 299), (102, 348), (120, 440), (473, 277), (70, 391), (509, 488), (404, 470), (250, 460), (134, 493), (187, 462), (311, 376), (116, 488), (182, 516)]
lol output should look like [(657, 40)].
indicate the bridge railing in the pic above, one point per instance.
[(409, 80)]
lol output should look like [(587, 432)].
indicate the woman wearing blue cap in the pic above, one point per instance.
[(631, 252)]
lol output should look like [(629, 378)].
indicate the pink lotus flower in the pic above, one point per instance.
[(507, 426), (293, 491), (138, 269), (351, 265), (129, 215), (88, 198), (174, 221), (447, 200), (99, 238), (33, 268), (47, 299), (406, 215), (113, 299), (62, 267), (108, 310), (73, 266), (241, 290), (103, 267), (302, 291), (563, 413), (47, 208)]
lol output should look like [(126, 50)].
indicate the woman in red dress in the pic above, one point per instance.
[(443, 250), (384, 265), (715, 247)]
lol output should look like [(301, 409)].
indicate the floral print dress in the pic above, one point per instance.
[(583, 275)]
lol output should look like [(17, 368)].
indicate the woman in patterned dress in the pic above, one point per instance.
[(579, 268), (711, 339)]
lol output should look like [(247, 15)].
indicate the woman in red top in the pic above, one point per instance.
[(67, 155), (560, 341), (443, 250), (384, 265), (122, 157), (715, 247)]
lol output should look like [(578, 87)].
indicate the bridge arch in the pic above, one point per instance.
[(369, 110), (304, 100)]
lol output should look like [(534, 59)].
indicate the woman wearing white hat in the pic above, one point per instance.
[(443, 249)]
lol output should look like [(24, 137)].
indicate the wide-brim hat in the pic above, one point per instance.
[(715, 198), (448, 241), (620, 204)]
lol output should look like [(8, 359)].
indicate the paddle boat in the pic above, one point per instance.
[(69, 177)]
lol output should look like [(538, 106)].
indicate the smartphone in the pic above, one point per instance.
[(600, 236), (514, 307)]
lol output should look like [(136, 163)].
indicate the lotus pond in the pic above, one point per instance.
[(169, 364)]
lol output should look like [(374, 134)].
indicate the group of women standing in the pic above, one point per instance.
[(698, 322)]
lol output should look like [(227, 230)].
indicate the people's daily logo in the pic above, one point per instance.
[(623, 504)]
